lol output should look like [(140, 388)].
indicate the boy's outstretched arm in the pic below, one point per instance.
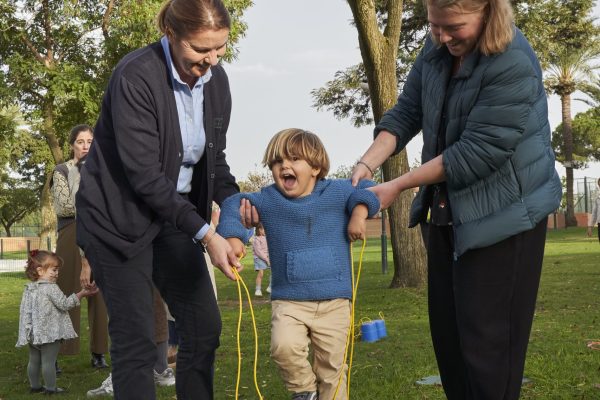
[(357, 226)]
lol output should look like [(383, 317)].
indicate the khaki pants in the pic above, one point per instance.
[(324, 324)]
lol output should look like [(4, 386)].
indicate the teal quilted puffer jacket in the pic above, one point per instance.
[(498, 161)]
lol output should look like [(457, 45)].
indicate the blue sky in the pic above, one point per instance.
[(290, 48)]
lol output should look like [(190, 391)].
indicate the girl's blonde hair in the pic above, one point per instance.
[(40, 259), (498, 28), (260, 229), (297, 143)]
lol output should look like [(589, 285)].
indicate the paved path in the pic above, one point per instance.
[(12, 265)]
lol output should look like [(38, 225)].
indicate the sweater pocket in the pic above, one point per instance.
[(316, 264)]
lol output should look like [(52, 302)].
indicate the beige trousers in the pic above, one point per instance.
[(295, 325)]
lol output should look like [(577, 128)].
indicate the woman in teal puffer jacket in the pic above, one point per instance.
[(487, 184)]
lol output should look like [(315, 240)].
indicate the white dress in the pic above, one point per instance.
[(44, 317)]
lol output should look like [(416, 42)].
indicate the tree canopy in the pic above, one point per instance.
[(56, 58)]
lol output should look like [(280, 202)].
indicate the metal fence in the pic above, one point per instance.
[(18, 230), (13, 253), (586, 190)]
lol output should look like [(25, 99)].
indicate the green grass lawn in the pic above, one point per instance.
[(559, 363)]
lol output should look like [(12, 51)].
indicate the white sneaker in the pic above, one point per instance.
[(105, 389), (167, 378), (258, 293), (269, 289)]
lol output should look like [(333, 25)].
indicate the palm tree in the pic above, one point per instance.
[(571, 70)]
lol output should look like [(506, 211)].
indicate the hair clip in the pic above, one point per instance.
[(33, 252)]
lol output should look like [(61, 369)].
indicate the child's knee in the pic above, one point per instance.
[(285, 348)]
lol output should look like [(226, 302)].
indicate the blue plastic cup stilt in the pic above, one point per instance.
[(368, 332), (380, 326)]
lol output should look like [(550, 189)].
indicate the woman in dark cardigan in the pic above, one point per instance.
[(143, 209)]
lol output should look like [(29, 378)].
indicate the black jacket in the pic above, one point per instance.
[(129, 183)]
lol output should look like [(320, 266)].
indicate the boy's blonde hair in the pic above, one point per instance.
[(40, 259), (498, 29), (298, 143)]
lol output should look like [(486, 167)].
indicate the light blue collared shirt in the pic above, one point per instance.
[(190, 110)]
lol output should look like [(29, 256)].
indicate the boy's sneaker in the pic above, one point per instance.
[(269, 289), (305, 396), (258, 293), (166, 378), (105, 389)]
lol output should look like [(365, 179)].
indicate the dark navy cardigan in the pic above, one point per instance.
[(128, 185)]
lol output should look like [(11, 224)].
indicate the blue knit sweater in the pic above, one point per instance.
[(307, 236)]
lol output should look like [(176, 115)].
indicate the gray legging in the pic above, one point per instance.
[(42, 361)]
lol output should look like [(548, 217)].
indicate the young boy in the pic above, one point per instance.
[(309, 221)]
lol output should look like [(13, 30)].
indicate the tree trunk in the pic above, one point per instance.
[(48, 218), (7, 229), (565, 100), (379, 53), (410, 267)]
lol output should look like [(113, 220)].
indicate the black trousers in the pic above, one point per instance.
[(480, 312), (176, 266)]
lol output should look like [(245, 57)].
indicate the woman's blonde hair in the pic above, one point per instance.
[(297, 143), (184, 17), (498, 29), (40, 259)]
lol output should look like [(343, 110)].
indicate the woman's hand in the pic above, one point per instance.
[(359, 172), (386, 193), (85, 278), (223, 255), (380, 150), (248, 214)]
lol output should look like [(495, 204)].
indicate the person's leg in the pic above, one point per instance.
[(598, 232), (442, 312), (173, 343), (68, 281), (495, 291), (289, 344), (161, 357), (127, 289), (181, 276), (49, 352), (329, 333), (34, 367), (161, 329), (211, 273), (259, 276), (98, 323)]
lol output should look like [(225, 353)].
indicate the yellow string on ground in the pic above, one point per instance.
[(350, 335), (241, 281)]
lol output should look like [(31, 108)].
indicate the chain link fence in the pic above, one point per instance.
[(13, 253), (586, 190)]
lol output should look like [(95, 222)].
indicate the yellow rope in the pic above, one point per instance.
[(350, 335), (241, 281), (239, 325)]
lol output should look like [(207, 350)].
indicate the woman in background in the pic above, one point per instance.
[(76, 271)]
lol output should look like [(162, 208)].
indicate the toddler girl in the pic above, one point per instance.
[(261, 258), (44, 321)]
